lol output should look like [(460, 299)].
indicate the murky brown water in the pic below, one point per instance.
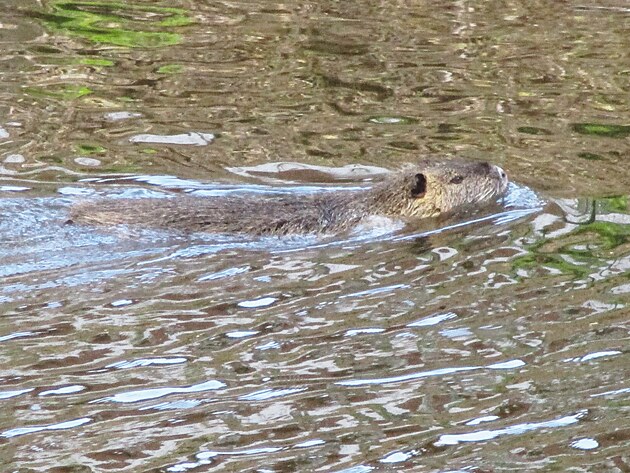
[(499, 345)]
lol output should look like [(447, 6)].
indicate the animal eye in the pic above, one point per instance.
[(419, 185), (457, 180)]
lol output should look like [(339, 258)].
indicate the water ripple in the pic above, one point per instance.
[(425, 374), (154, 393), (40, 428), (484, 435), (266, 394)]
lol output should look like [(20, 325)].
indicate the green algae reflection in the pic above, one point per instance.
[(586, 249), (532, 130), (170, 69), (90, 149), (599, 129), (119, 24), (59, 92), (88, 61)]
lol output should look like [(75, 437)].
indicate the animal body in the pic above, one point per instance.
[(426, 189)]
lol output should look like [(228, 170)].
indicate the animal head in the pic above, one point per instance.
[(431, 188)]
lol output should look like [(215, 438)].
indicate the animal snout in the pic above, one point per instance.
[(502, 175)]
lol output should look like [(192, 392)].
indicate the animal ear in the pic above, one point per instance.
[(419, 185)]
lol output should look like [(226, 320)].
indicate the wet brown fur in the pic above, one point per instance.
[(426, 189)]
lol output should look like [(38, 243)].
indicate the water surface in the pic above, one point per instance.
[(498, 344)]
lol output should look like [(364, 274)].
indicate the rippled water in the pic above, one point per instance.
[(492, 343)]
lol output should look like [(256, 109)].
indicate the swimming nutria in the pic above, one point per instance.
[(426, 189)]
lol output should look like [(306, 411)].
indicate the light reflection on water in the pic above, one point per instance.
[(40, 428), (483, 435), (154, 393), (425, 374)]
